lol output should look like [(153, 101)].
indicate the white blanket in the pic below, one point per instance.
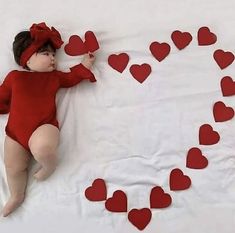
[(129, 134)]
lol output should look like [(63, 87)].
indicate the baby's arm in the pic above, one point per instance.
[(78, 73), (5, 94)]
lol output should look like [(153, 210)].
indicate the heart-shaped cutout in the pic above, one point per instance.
[(140, 218), (181, 39), (160, 50), (96, 192), (159, 199), (227, 86), (207, 136), (75, 46), (195, 159), (118, 62), (222, 113), (223, 59), (205, 36), (179, 181), (91, 42), (117, 203), (140, 72)]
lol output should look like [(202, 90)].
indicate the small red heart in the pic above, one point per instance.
[(205, 36), (75, 46), (195, 159), (207, 136), (160, 50), (179, 181), (181, 39), (223, 59), (117, 203), (222, 112), (227, 86), (91, 42), (159, 199), (140, 72), (96, 192), (118, 61), (140, 218)]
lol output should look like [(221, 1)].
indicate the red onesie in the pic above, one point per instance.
[(29, 98)]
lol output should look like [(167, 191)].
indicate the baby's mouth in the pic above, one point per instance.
[(53, 65)]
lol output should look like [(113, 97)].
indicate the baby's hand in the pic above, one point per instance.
[(88, 60)]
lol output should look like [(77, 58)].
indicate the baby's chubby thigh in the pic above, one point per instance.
[(43, 144), (44, 139), (16, 157)]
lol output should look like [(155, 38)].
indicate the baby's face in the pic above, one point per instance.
[(42, 61)]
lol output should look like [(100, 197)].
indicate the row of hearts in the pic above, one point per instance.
[(76, 46), (160, 51)]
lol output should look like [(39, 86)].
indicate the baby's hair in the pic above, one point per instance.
[(22, 41)]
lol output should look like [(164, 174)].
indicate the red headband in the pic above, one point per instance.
[(40, 34)]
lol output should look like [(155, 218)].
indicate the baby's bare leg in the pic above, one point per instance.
[(43, 145), (16, 160)]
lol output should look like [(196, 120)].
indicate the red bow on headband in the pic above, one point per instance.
[(40, 34)]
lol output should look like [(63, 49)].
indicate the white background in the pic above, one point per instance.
[(130, 134)]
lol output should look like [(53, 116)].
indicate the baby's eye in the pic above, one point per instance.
[(46, 53)]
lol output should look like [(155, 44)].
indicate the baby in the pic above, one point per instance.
[(29, 98)]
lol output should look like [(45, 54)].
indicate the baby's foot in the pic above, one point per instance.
[(12, 204), (44, 173)]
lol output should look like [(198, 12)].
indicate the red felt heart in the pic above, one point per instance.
[(222, 112), (181, 39), (223, 59), (205, 36), (207, 136), (179, 181), (159, 50), (75, 46), (96, 192), (117, 203), (140, 218), (195, 159), (140, 72), (118, 61), (227, 86), (158, 198), (91, 42)]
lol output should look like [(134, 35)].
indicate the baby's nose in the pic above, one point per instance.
[(52, 58)]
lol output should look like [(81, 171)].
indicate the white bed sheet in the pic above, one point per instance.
[(130, 134)]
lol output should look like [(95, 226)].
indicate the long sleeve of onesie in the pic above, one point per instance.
[(5, 94), (76, 75)]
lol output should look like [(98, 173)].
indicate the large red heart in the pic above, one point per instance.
[(195, 159), (179, 181), (159, 50), (205, 36), (159, 199), (181, 39), (75, 46), (222, 112), (140, 72), (207, 136), (117, 203), (118, 61), (140, 218), (91, 42), (96, 192), (223, 59), (227, 86)]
